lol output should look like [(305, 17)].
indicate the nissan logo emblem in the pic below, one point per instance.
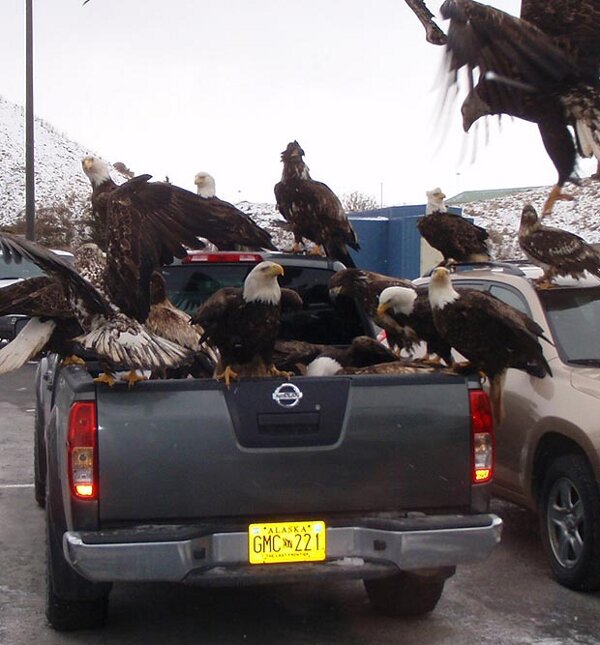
[(287, 395)]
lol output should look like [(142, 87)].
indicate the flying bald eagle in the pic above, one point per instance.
[(295, 355), (364, 287), (242, 324), (489, 333), (453, 236), (165, 218), (312, 209), (117, 338), (410, 308), (249, 230), (541, 67), (558, 252)]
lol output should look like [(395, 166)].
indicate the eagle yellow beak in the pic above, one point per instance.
[(382, 308), (87, 163), (277, 269)]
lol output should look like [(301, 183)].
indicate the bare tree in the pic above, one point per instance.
[(356, 202)]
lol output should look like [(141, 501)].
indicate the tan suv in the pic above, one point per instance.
[(548, 446)]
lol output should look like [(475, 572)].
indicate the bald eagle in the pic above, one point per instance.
[(541, 67), (312, 209), (558, 252), (295, 355), (242, 324), (410, 308), (365, 287), (452, 235), (489, 333), (328, 366), (117, 338), (249, 231), (159, 220)]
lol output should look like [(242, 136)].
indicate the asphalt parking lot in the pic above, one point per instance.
[(510, 598)]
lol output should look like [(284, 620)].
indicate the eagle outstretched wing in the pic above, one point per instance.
[(40, 296), (15, 248)]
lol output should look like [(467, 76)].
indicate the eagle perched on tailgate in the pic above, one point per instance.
[(312, 209)]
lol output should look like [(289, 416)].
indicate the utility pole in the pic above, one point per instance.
[(29, 136)]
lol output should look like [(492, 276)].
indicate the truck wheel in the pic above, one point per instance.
[(72, 602), (570, 522), (39, 460), (404, 594)]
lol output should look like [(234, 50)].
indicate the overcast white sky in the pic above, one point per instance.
[(174, 87)]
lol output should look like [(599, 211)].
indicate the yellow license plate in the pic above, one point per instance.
[(277, 542)]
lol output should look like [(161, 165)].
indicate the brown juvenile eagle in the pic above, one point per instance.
[(364, 287), (558, 252), (489, 333), (453, 236), (312, 209), (242, 324), (541, 67)]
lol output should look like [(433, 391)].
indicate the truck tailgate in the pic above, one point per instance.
[(180, 450)]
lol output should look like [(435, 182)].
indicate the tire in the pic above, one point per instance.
[(39, 460), (570, 522), (405, 594), (72, 601)]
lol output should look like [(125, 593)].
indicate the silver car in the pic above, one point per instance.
[(548, 446)]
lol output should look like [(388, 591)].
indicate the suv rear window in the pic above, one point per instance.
[(574, 317), (189, 285)]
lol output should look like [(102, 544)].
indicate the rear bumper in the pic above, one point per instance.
[(365, 549)]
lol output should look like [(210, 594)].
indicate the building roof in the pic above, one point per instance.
[(468, 196)]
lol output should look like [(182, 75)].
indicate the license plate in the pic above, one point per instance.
[(277, 542)]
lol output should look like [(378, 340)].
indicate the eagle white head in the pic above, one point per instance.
[(441, 292), (401, 300), (97, 170), (435, 201), (205, 184), (323, 366), (261, 283)]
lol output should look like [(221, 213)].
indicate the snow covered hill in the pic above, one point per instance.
[(58, 173)]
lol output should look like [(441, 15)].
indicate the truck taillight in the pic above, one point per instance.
[(82, 450), (221, 256), (482, 436)]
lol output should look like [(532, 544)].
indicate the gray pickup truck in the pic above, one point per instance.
[(380, 478)]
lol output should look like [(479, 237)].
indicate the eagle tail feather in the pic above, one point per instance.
[(496, 396), (339, 251), (29, 342), (135, 349)]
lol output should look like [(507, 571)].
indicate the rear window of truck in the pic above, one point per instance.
[(318, 322)]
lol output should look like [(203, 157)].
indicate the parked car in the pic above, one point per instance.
[(11, 325), (548, 446)]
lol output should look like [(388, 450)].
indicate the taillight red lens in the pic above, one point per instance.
[(82, 450), (482, 437)]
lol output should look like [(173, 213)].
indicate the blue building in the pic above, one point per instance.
[(390, 242)]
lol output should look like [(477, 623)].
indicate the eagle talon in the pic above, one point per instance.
[(273, 371), (106, 377), (132, 378), (227, 375), (73, 359)]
